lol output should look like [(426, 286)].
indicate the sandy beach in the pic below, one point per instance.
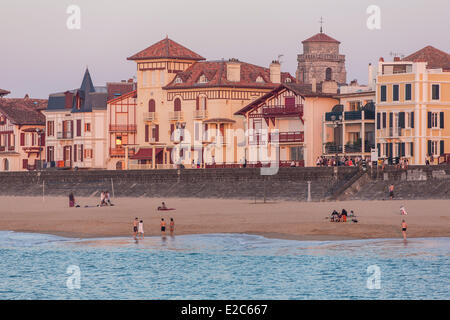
[(283, 219)]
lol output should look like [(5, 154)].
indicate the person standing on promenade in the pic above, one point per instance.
[(71, 200), (391, 191), (404, 227), (172, 226)]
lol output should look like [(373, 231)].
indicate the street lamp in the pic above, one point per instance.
[(336, 122)]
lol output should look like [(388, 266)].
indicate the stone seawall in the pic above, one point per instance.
[(289, 183)]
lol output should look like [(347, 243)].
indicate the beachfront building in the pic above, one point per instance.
[(352, 121), (413, 107), (286, 124), (186, 106), (22, 137), (76, 124), (122, 130), (3, 92)]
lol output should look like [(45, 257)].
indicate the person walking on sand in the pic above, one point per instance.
[(404, 227), (135, 227), (141, 229), (403, 211), (391, 191), (172, 226), (163, 226)]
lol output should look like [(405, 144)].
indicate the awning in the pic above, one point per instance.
[(146, 153)]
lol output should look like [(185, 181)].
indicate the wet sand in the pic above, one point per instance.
[(283, 219)]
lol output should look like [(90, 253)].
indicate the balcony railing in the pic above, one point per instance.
[(329, 116), (120, 152), (65, 135), (200, 114), (350, 115), (150, 116), (352, 148), (176, 115), (283, 110), (333, 148), (296, 136), (122, 127)]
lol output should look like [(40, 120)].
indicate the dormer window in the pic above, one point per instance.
[(202, 79), (260, 79), (288, 80), (178, 80)]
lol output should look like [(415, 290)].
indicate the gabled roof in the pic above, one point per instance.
[(3, 92), (435, 58), (303, 90), (87, 85), (320, 37), (166, 49), (216, 73), (23, 111), (117, 89)]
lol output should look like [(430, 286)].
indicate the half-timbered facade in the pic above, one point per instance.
[(22, 137), (122, 130), (187, 105), (284, 125)]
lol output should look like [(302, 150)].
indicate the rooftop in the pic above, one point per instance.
[(23, 111), (434, 57)]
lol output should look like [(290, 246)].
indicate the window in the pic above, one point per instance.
[(328, 74), (435, 92), (383, 93), (151, 106), (288, 80), (87, 127), (2, 120), (296, 153), (177, 105), (260, 79), (50, 128), (79, 128), (433, 148), (433, 120), (408, 91), (50, 154), (203, 79), (395, 92), (88, 153)]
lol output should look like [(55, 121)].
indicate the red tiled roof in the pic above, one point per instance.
[(166, 49), (216, 74), (117, 89), (435, 58), (3, 92), (320, 37), (24, 111)]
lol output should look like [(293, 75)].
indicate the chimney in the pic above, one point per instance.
[(381, 59), (130, 80), (275, 72), (396, 59), (234, 70), (370, 75), (330, 87), (313, 85)]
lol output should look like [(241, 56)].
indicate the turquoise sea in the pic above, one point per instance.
[(221, 266)]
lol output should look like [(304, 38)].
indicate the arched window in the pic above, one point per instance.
[(119, 165), (328, 74), (177, 105), (151, 105)]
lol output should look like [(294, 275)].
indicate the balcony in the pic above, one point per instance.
[(200, 114), (283, 110), (351, 115), (122, 128), (120, 152), (7, 149), (329, 116), (176, 115), (150, 116), (64, 135), (295, 136), (331, 148)]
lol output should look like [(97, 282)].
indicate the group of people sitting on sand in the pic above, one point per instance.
[(343, 216), (105, 199), (138, 228)]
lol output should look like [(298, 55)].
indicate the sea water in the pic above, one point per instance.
[(221, 266)]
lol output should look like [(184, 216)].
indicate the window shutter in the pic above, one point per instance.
[(75, 159), (146, 133), (429, 147), (32, 139), (429, 120), (442, 147), (197, 103), (412, 119), (206, 102), (172, 128), (442, 120), (391, 119), (157, 132), (403, 149), (22, 139), (411, 145), (378, 120), (401, 120), (79, 128), (81, 151), (25, 164), (379, 149), (384, 119)]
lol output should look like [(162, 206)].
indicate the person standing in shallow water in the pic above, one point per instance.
[(172, 226), (391, 191), (135, 227), (404, 227), (141, 229), (163, 226)]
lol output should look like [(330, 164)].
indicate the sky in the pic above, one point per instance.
[(40, 55)]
